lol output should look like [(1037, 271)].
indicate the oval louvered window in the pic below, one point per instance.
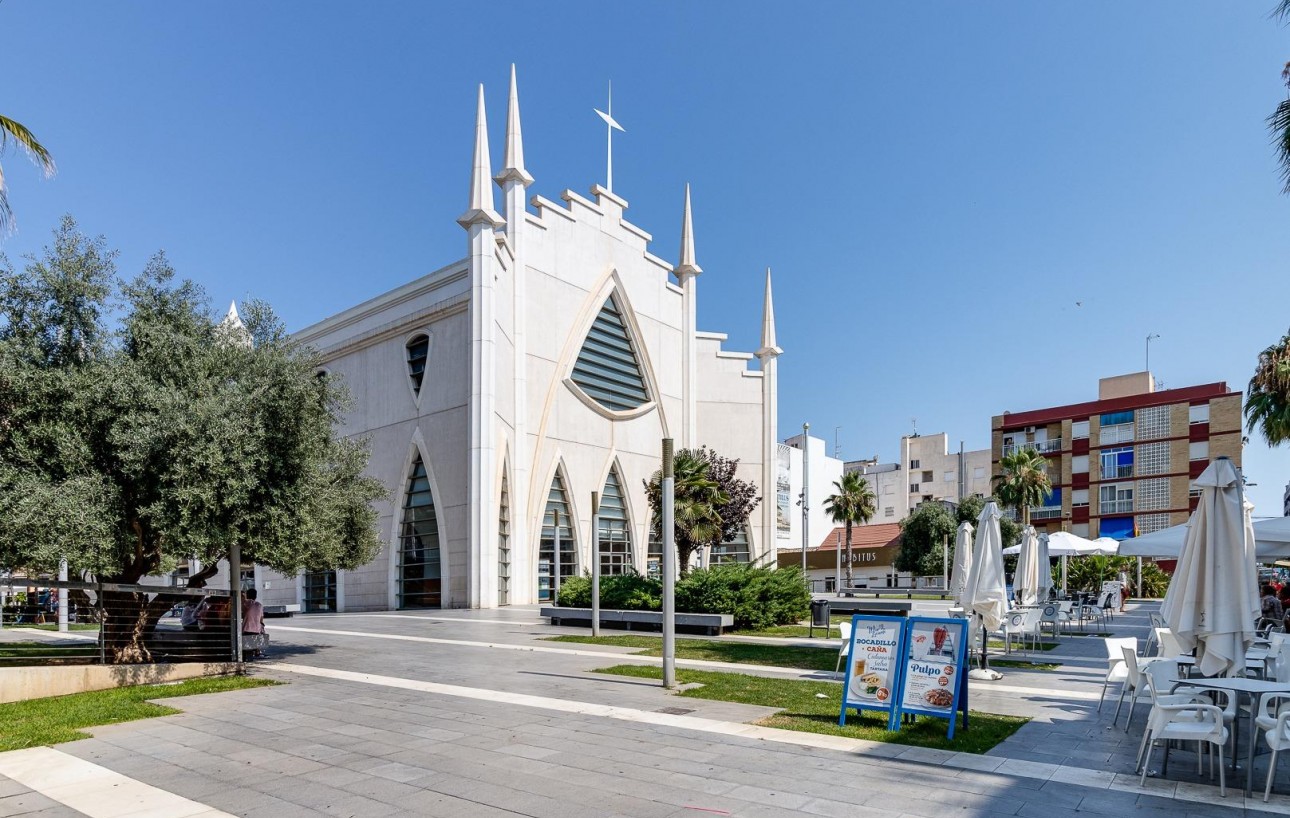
[(607, 368)]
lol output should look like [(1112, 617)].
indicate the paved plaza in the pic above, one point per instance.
[(467, 713)]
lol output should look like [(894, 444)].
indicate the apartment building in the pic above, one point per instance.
[(1124, 462), (927, 471)]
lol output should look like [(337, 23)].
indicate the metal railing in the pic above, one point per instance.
[(1041, 446), (1045, 512), (1121, 433), (1117, 471), (1116, 506), (71, 622)]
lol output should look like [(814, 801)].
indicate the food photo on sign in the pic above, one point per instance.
[(873, 661)]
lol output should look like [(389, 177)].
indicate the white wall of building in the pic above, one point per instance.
[(825, 471), (899, 487)]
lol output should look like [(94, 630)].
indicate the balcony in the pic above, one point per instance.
[(1120, 433), (1116, 507), (1041, 446), (1045, 512), (1113, 472)]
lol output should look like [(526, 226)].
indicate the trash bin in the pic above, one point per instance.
[(819, 616)]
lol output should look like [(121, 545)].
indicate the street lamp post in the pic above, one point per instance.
[(806, 497)]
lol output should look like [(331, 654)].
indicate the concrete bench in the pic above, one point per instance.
[(281, 610), (874, 607), (711, 624)]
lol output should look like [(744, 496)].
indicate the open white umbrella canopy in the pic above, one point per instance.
[(1045, 586), (1271, 541), (985, 593), (1025, 583), (962, 561), (1213, 601), (1066, 544)]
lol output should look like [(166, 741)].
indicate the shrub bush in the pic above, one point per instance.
[(620, 592), (755, 597)]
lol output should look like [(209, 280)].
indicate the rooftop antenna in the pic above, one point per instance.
[(611, 126), (837, 446), (914, 421)]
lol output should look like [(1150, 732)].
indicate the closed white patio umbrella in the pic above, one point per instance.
[(1213, 600), (1025, 583), (1045, 565), (962, 561), (986, 596)]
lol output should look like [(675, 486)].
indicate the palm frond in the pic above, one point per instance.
[(1282, 11), (16, 132), (1279, 126)]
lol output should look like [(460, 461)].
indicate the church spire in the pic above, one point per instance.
[(768, 346), (481, 193), (687, 266), (514, 167)]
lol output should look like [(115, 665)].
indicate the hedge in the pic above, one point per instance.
[(756, 597)]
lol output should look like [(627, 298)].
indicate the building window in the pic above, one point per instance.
[(927, 498), (1193, 492), (1198, 413), (615, 533), (1119, 433), (1198, 450), (1051, 509), (557, 506), (889, 511), (978, 472), (914, 464), (1118, 528), (319, 591), (504, 546), (733, 550), (913, 488), (1079, 464), (1079, 498), (950, 477), (1116, 498), (607, 368), (889, 489), (1080, 529), (928, 477), (1117, 463), (418, 351), (419, 567), (1079, 430)]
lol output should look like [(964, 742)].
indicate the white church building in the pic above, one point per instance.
[(507, 386)]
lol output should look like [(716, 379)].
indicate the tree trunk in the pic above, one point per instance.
[(850, 583), (682, 559), (130, 619)]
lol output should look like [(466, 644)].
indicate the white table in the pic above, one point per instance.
[(1241, 686), (1253, 657)]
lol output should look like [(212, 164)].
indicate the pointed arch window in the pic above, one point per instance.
[(557, 503), (608, 369), (615, 529), (419, 566), (734, 549), (504, 546), (418, 352)]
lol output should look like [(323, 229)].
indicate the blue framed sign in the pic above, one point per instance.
[(873, 665), (933, 672)]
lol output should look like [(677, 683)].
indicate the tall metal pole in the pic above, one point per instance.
[(1138, 587), (945, 563), (668, 492), (806, 497), (1149, 339), (62, 597), (837, 577), (595, 563), (235, 598), (555, 576)]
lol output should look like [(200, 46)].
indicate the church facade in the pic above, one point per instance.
[(501, 390)]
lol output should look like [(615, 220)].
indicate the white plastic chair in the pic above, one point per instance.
[(1278, 739), (1018, 623), (1093, 613), (1116, 671), (844, 652), (1182, 721), (1050, 618), (1169, 647)]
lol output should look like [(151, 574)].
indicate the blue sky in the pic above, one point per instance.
[(935, 185)]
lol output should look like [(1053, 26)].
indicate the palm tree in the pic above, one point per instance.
[(11, 131), (1267, 401), (1023, 481), (852, 504), (696, 510), (1279, 122)]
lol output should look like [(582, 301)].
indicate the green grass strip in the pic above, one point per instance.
[(803, 657), (36, 652), (802, 708), (39, 722), (53, 626)]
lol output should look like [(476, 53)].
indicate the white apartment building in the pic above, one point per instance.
[(927, 470)]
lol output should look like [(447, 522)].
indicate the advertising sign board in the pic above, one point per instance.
[(873, 665), (933, 672)]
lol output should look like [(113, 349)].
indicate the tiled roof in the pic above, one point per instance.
[(862, 536)]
